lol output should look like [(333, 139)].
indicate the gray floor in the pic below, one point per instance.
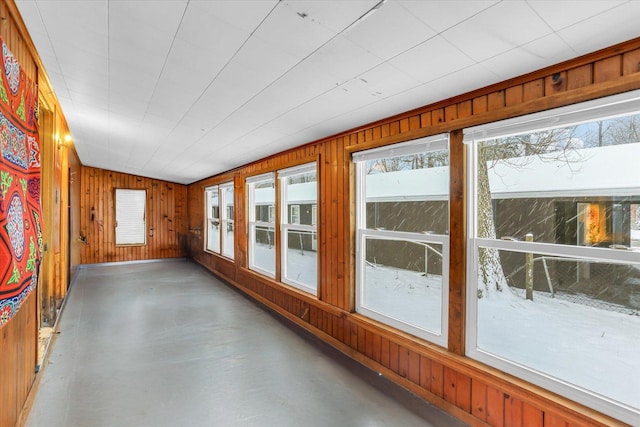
[(167, 344)]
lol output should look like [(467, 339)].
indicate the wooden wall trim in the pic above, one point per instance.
[(484, 394), (288, 290), (623, 84), (457, 246)]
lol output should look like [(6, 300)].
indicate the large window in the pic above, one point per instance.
[(297, 203), (131, 227), (213, 219), (219, 229), (554, 259), (402, 246), (262, 210), (298, 189)]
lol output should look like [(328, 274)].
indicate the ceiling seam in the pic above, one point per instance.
[(55, 54), (341, 32), (212, 81), (164, 65)]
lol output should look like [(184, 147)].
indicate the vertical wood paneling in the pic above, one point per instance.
[(607, 69), (531, 417), (479, 400), (437, 379), (513, 416), (457, 248), (413, 367), (18, 338), (533, 90), (579, 77), (551, 419), (495, 407), (631, 62), (165, 217), (425, 373)]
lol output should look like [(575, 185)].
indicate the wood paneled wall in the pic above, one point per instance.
[(18, 354), (19, 338), (166, 215), (470, 390)]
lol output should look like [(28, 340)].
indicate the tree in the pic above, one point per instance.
[(517, 152), (558, 146)]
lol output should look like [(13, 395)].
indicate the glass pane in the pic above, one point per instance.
[(634, 212), (403, 280), (214, 205), (409, 193), (228, 201), (575, 185), (213, 236), (581, 326), (228, 239), (302, 258), (302, 195), (265, 200), (263, 249)]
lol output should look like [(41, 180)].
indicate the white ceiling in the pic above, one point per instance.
[(181, 90)]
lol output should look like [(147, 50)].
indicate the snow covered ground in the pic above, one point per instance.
[(405, 295), (591, 348), (588, 347), (301, 266)]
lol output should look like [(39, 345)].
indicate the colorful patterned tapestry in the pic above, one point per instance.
[(20, 226)]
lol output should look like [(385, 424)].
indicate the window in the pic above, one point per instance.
[(294, 218), (220, 225), (262, 212), (226, 194), (131, 228), (299, 196), (554, 262), (213, 219), (402, 247)]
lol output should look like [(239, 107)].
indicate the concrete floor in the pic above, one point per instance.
[(167, 344)]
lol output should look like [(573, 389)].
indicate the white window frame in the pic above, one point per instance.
[(599, 109), (253, 222), (286, 226), (209, 218), (423, 145), (130, 230), (225, 221), (222, 219)]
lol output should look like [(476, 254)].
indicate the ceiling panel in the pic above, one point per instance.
[(444, 14), (560, 14), (495, 31), (389, 31), (605, 29), (425, 62), (539, 53), (181, 90)]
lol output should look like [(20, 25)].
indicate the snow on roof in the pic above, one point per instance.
[(605, 171), (302, 193), (409, 185), (597, 171)]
